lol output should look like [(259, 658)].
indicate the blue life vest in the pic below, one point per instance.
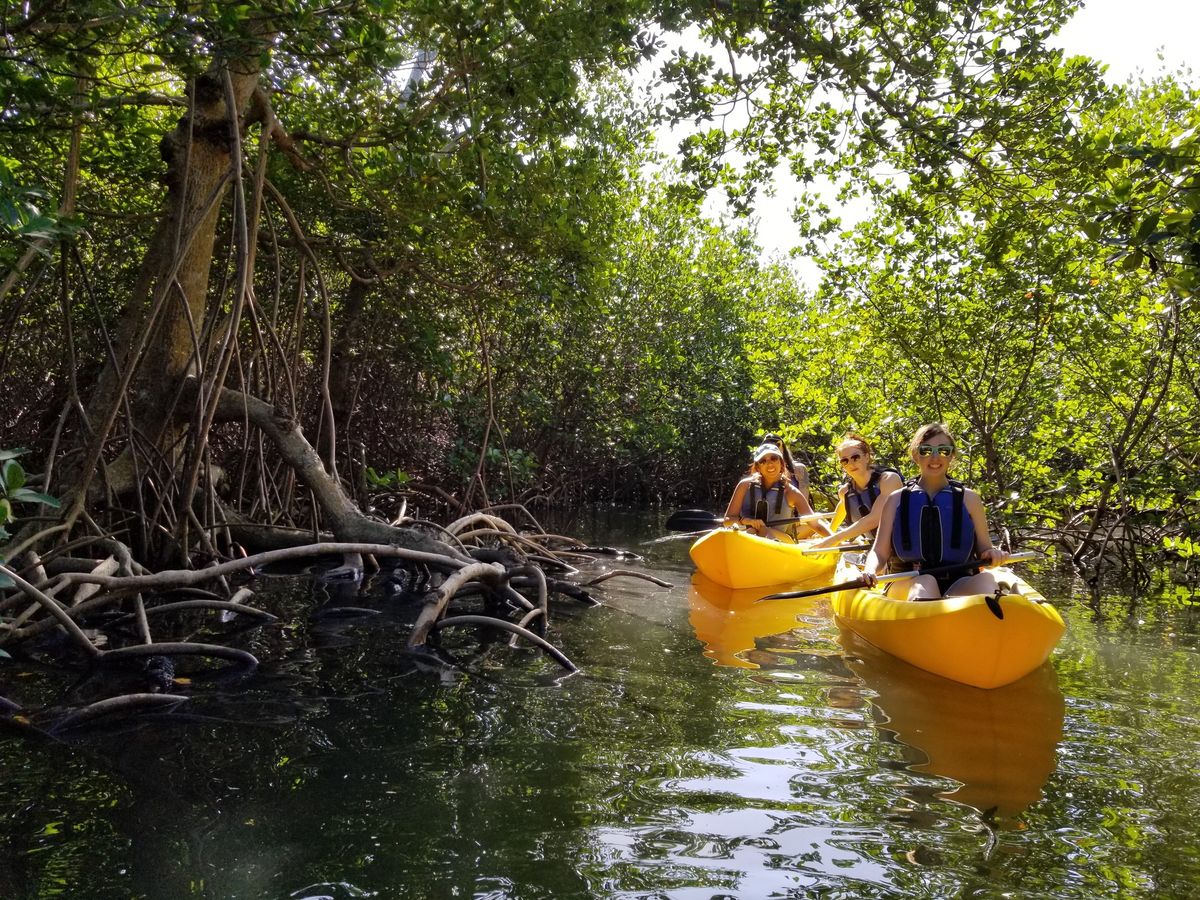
[(863, 501), (777, 505), (933, 530)]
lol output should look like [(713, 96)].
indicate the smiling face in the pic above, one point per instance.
[(934, 454), (770, 467)]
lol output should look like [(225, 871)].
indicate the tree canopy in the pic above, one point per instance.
[(425, 233)]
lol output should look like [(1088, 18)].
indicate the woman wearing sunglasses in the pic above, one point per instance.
[(863, 489), (767, 495), (934, 521)]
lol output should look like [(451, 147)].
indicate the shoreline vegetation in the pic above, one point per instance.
[(271, 278)]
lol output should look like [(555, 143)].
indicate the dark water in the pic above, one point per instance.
[(707, 750)]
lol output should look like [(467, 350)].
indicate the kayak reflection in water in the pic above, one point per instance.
[(934, 521), (765, 496), (1000, 745)]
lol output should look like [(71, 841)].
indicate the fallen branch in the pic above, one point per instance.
[(491, 574)]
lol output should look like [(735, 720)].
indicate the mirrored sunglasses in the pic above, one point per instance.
[(930, 450)]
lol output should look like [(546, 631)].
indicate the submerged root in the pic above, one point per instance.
[(553, 652)]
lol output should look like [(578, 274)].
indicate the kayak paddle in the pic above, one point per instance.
[(701, 519), (837, 548), (895, 576)]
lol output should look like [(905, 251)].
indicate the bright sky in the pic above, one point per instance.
[(1127, 35)]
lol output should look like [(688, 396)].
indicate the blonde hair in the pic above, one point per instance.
[(925, 432)]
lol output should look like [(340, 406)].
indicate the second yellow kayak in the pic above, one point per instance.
[(737, 559)]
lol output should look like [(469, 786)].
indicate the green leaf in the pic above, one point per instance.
[(1146, 228), (1132, 261), (11, 454), (12, 476), (25, 495)]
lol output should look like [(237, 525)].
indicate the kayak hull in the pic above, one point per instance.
[(959, 638), (737, 559)]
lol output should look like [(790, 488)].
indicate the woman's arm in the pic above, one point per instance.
[(839, 511), (983, 537), (889, 482), (881, 550)]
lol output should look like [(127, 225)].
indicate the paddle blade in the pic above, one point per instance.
[(839, 548), (692, 520), (813, 592)]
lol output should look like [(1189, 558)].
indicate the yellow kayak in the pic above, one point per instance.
[(959, 638), (738, 559)]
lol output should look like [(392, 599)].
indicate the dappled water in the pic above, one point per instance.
[(709, 748)]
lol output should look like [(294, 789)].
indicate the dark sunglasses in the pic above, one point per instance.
[(853, 457), (940, 450)]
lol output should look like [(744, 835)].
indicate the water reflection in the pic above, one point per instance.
[(800, 766), (1000, 744), (729, 621)]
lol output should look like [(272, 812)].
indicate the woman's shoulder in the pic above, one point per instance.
[(971, 495)]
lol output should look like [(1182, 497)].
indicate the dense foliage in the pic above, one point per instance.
[(434, 243)]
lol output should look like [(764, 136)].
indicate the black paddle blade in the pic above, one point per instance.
[(692, 520), (813, 592)]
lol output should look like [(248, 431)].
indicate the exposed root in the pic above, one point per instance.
[(114, 705), (627, 573), (227, 605), (181, 649), (116, 612)]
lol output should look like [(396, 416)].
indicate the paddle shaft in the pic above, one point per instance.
[(699, 520), (895, 576)]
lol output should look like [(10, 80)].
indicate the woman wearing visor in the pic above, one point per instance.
[(765, 497)]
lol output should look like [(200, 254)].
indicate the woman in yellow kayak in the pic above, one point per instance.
[(934, 521), (863, 490), (766, 496), (791, 466)]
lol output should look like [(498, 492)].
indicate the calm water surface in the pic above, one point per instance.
[(708, 749)]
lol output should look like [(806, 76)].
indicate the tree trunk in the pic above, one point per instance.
[(162, 334)]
